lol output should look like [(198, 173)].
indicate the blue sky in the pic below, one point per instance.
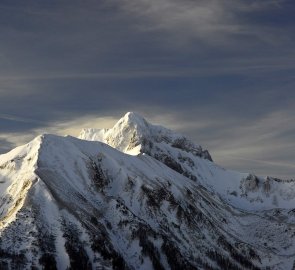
[(220, 71)]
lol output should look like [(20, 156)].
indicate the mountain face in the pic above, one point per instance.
[(138, 196)]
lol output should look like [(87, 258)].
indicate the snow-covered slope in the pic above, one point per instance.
[(16, 177), (68, 203), (134, 135)]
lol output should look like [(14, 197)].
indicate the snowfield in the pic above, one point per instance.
[(138, 196)]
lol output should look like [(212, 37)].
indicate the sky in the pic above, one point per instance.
[(219, 71)]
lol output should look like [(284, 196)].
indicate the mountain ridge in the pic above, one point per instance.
[(68, 203)]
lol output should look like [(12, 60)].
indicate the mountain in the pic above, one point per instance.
[(138, 196)]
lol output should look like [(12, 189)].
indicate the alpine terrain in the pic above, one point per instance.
[(138, 196)]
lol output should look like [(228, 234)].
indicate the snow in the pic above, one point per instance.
[(16, 177), (56, 176), (132, 127), (226, 183)]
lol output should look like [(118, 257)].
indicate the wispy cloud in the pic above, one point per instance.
[(262, 162), (261, 144), (212, 22), (251, 66), (15, 118), (64, 127)]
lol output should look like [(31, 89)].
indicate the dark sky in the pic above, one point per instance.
[(219, 71)]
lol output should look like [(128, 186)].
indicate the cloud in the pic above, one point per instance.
[(169, 38), (263, 144), (19, 119), (9, 140), (74, 126), (5, 145), (213, 22)]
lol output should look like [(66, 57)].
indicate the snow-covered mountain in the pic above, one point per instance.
[(138, 196)]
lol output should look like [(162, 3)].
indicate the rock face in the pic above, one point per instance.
[(68, 203)]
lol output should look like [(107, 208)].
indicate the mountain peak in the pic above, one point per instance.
[(133, 117), (134, 121), (133, 135)]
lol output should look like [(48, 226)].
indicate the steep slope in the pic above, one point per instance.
[(16, 177), (134, 135), (86, 205)]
